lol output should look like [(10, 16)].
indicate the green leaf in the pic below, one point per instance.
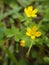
[(22, 62), (14, 11), (46, 59), (2, 33), (9, 33), (34, 54)]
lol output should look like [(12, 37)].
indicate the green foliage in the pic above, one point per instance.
[(22, 62), (13, 27)]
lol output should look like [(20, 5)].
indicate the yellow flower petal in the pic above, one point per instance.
[(34, 11), (34, 28), (22, 43), (34, 15), (28, 34), (33, 37), (26, 12), (30, 8), (28, 29), (38, 34)]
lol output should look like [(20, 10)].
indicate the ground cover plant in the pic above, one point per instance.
[(24, 32)]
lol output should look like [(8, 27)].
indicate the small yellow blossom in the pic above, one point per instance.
[(33, 32), (30, 12), (22, 43)]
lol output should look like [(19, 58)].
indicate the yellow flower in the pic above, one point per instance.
[(22, 43), (33, 32), (30, 12), (28, 32)]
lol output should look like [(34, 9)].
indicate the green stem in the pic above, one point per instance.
[(28, 52)]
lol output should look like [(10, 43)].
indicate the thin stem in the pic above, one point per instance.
[(28, 52)]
